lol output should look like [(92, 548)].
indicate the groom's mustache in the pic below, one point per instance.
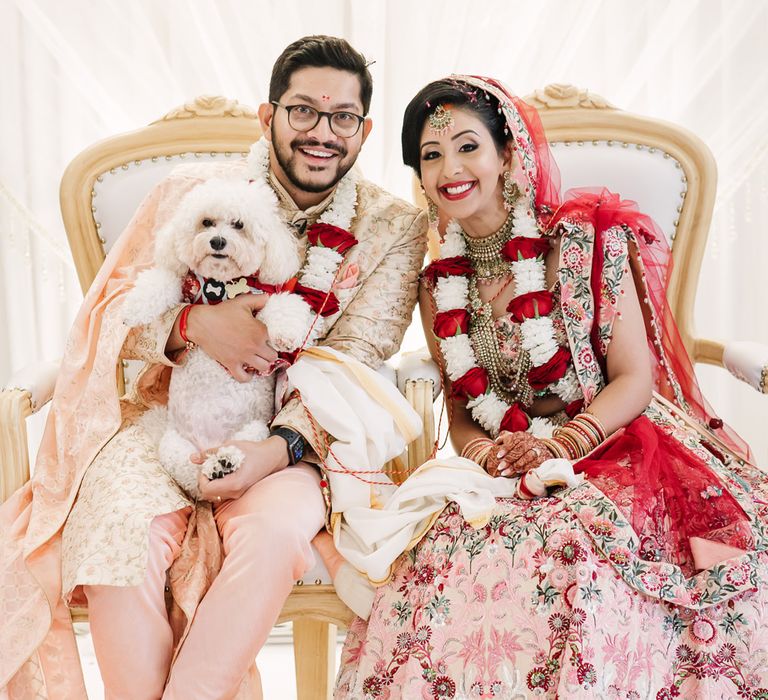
[(311, 143)]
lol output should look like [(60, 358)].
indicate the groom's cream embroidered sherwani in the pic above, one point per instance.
[(373, 316)]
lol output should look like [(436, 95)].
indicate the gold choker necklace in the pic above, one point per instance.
[(485, 253)]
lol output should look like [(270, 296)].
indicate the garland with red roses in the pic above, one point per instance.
[(552, 369), (328, 240)]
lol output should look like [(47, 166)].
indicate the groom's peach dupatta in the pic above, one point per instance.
[(38, 654)]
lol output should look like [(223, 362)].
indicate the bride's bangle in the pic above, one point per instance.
[(578, 437), (477, 450)]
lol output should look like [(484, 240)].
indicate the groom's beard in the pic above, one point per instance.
[(287, 157)]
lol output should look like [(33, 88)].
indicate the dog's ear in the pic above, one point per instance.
[(281, 254), (165, 248), (166, 240), (281, 249)]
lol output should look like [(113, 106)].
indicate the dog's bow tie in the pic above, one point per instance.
[(197, 289)]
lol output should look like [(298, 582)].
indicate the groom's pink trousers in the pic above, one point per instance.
[(266, 535)]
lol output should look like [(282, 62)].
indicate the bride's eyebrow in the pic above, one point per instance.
[(461, 133), (453, 138)]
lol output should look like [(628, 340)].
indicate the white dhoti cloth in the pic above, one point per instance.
[(373, 520)]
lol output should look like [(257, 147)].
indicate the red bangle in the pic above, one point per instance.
[(183, 317), (524, 487)]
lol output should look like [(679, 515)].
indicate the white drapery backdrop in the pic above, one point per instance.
[(75, 71)]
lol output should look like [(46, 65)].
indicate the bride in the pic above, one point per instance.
[(549, 322)]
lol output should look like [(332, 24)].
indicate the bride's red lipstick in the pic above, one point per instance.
[(460, 195)]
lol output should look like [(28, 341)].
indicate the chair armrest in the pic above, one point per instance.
[(15, 408), (27, 391), (418, 378), (418, 365), (748, 362), (37, 380)]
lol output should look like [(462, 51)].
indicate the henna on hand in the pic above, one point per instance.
[(520, 452)]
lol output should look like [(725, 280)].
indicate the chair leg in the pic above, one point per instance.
[(314, 652)]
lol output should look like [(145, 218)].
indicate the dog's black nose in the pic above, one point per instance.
[(218, 243)]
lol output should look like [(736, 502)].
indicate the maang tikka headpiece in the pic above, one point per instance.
[(441, 120)]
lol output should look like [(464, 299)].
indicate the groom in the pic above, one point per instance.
[(270, 509)]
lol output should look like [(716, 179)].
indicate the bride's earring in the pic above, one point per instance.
[(432, 215), (510, 191)]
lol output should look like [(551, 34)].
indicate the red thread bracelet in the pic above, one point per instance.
[(183, 317)]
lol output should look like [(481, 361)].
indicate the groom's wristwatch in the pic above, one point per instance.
[(297, 445)]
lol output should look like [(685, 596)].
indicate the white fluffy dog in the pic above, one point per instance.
[(223, 231)]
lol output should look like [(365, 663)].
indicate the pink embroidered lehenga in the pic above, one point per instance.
[(649, 579)]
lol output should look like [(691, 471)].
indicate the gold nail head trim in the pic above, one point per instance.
[(441, 120)]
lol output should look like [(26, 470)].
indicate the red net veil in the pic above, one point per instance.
[(674, 375)]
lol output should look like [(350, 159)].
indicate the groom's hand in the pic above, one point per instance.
[(229, 333), (261, 459)]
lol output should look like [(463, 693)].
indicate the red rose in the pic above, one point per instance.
[(450, 323), (471, 384), (522, 248), (531, 305), (457, 265), (323, 303), (552, 370), (515, 420), (574, 408), (329, 236)]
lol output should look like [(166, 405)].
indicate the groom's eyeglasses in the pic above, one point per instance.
[(306, 118)]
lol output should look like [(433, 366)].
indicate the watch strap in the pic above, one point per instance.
[(296, 444)]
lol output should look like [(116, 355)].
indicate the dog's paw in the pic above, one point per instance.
[(288, 319), (225, 461)]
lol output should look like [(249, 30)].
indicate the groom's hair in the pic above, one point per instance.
[(320, 51)]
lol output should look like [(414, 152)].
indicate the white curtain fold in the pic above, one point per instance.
[(75, 71)]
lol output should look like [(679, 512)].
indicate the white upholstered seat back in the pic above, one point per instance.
[(104, 185), (649, 176), (118, 191)]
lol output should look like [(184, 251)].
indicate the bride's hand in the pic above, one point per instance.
[(518, 453)]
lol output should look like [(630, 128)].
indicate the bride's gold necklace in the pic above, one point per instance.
[(490, 266), (485, 253)]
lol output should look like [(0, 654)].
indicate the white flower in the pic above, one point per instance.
[(318, 279), (538, 334), (539, 339), (489, 410), (451, 293), (529, 275), (258, 159), (568, 387), (541, 354), (341, 210), (453, 243), (525, 224), (459, 355), (541, 427), (326, 259)]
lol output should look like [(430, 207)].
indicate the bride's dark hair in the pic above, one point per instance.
[(455, 93)]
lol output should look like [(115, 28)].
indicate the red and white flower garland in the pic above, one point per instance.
[(531, 306), (328, 239)]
